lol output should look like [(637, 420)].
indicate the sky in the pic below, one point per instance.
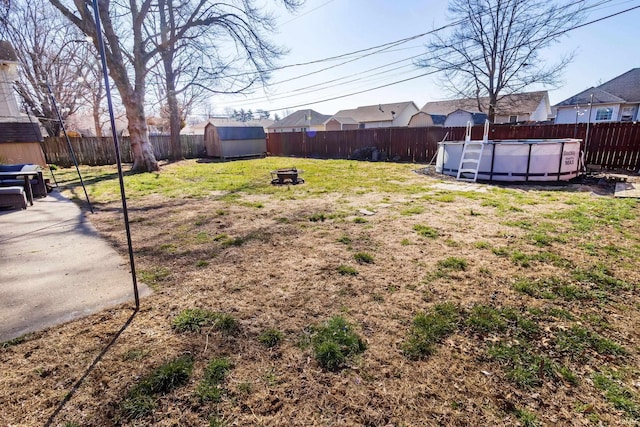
[(327, 28)]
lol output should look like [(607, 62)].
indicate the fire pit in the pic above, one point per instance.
[(286, 176)]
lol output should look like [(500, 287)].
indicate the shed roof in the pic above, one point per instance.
[(375, 113), (508, 105), (198, 128), (300, 118), (237, 133)]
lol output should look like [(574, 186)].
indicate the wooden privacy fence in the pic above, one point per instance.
[(406, 144), (100, 151), (609, 145)]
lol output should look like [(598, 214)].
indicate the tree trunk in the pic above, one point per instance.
[(491, 114), (167, 52), (143, 158), (175, 147), (96, 117)]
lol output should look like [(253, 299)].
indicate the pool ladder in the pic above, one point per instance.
[(472, 154)]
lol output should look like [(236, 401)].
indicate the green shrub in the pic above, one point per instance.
[(335, 342), (270, 337), (347, 270), (215, 373), (426, 231), (484, 319), (193, 319), (453, 264), (345, 240), (317, 217), (227, 324), (140, 400), (363, 258), (430, 328)]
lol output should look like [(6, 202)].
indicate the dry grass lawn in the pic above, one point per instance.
[(474, 304)]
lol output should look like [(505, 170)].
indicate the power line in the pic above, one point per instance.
[(594, 6), (386, 46), (559, 33)]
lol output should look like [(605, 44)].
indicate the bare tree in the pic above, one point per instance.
[(128, 56), (193, 39), (495, 47), (53, 54), (139, 32)]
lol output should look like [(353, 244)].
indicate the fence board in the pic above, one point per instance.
[(100, 151), (610, 145)]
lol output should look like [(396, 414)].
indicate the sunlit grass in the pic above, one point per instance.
[(220, 179)]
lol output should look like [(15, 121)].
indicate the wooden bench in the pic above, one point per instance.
[(13, 197)]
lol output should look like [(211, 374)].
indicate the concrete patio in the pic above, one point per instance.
[(54, 267)]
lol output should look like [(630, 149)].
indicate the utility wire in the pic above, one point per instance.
[(594, 6), (559, 33), (385, 46)]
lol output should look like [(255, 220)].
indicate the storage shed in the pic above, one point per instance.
[(234, 141)]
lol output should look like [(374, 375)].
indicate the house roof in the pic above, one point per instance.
[(476, 117), (624, 88), (300, 118), (437, 119), (508, 105), (599, 97), (343, 120), (7, 53), (375, 113)]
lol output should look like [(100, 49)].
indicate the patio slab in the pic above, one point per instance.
[(54, 267)]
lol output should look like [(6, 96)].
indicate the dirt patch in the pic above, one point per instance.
[(275, 264)]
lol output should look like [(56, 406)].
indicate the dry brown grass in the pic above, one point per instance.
[(282, 273)]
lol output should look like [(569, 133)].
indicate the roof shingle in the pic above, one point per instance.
[(375, 113), (300, 118), (513, 104)]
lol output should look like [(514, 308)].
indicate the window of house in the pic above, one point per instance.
[(627, 114), (513, 119), (361, 126), (604, 113)]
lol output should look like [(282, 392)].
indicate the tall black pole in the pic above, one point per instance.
[(71, 151), (100, 44)]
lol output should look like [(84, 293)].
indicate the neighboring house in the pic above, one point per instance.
[(198, 128), (422, 119), (301, 120), (373, 116), (20, 135), (617, 100), (341, 123), (514, 108), (460, 118), (83, 124)]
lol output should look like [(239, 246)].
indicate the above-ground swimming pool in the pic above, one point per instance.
[(517, 159)]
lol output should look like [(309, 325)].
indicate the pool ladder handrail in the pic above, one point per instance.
[(472, 154)]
